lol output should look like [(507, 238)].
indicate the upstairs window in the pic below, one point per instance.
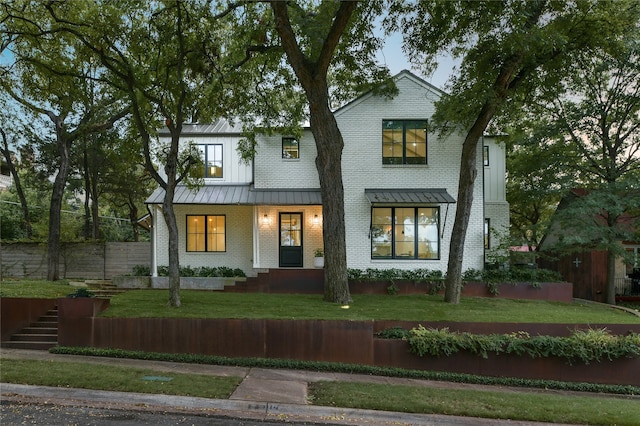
[(404, 142), (485, 155), (290, 148), (212, 159)]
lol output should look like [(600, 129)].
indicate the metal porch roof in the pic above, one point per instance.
[(239, 194), (409, 196)]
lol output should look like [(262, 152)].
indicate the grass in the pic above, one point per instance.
[(114, 378), (209, 304), (514, 405), (522, 406), (36, 288), (212, 304)]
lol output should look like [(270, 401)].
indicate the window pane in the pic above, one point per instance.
[(381, 232), (392, 142), (290, 148), (404, 230), (291, 229), (216, 233), (416, 142), (428, 238), (214, 161), (195, 233)]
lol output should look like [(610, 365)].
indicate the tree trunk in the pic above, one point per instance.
[(16, 182), (170, 219), (468, 173), (53, 241), (87, 193), (329, 145)]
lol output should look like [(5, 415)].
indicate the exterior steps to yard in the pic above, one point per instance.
[(104, 289), (40, 335)]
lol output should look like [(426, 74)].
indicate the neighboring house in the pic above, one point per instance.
[(587, 269), (400, 181)]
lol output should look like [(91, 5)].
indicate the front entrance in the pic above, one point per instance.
[(291, 240)]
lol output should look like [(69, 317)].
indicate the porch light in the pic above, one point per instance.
[(265, 219), (316, 220)]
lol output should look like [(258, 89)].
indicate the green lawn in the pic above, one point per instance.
[(114, 378), (523, 406), (209, 304), (215, 304), (494, 404)]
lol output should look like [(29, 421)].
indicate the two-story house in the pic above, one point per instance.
[(400, 180)]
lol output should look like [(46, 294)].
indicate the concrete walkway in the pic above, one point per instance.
[(267, 394)]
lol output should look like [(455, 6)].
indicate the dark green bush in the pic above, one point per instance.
[(188, 271), (584, 346), (81, 292)]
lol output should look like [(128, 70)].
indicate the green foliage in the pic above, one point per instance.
[(584, 346), (81, 292), (188, 271), (349, 368), (393, 274)]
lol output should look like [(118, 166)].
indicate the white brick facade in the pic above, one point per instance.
[(252, 233)]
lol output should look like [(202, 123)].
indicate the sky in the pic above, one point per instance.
[(393, 56)]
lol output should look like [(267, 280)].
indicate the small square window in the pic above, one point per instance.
[(290, 148)]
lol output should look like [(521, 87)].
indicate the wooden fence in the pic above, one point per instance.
[(101, 260)]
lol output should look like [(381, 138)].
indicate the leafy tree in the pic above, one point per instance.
[(40, 80), (505, 47), (320, 42), (595, 121)]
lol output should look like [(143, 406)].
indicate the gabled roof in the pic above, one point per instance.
[(404, 74)]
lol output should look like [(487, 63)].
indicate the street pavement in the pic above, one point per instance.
[(269, 395)]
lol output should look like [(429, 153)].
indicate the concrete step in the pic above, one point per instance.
[(38, 346), (21, 337), (45, 324), (40, 330)]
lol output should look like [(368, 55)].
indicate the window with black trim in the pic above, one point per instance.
[(290, 148), (485, 155), (404, 142), (487, 233), (212, 160), (405, 233), (206, 233)]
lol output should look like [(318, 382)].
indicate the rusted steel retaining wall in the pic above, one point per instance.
[(332, 341), (17, 313)]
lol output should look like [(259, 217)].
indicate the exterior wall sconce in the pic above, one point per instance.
[(265, 220), (316, 220)]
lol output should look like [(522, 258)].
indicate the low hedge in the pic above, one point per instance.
[(583, 346)]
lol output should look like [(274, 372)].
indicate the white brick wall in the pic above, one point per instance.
[(361, 126)]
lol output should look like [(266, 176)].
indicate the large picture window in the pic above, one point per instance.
[(212, 159), (206, 233), (405, 233), (404, 142)]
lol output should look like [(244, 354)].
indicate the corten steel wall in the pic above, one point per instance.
[(331, 341), (17, 313), (77, 260)]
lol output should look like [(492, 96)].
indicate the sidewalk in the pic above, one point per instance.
[(264, 394)]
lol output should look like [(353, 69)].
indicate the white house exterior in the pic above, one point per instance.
[(400, 192)]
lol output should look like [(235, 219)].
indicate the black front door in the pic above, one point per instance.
[(291, 240)]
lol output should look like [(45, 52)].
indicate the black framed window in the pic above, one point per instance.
[(487, 233), (485, 155), (212, 160), (206, 233), (404, 142), (405, 233), (290, 148)]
